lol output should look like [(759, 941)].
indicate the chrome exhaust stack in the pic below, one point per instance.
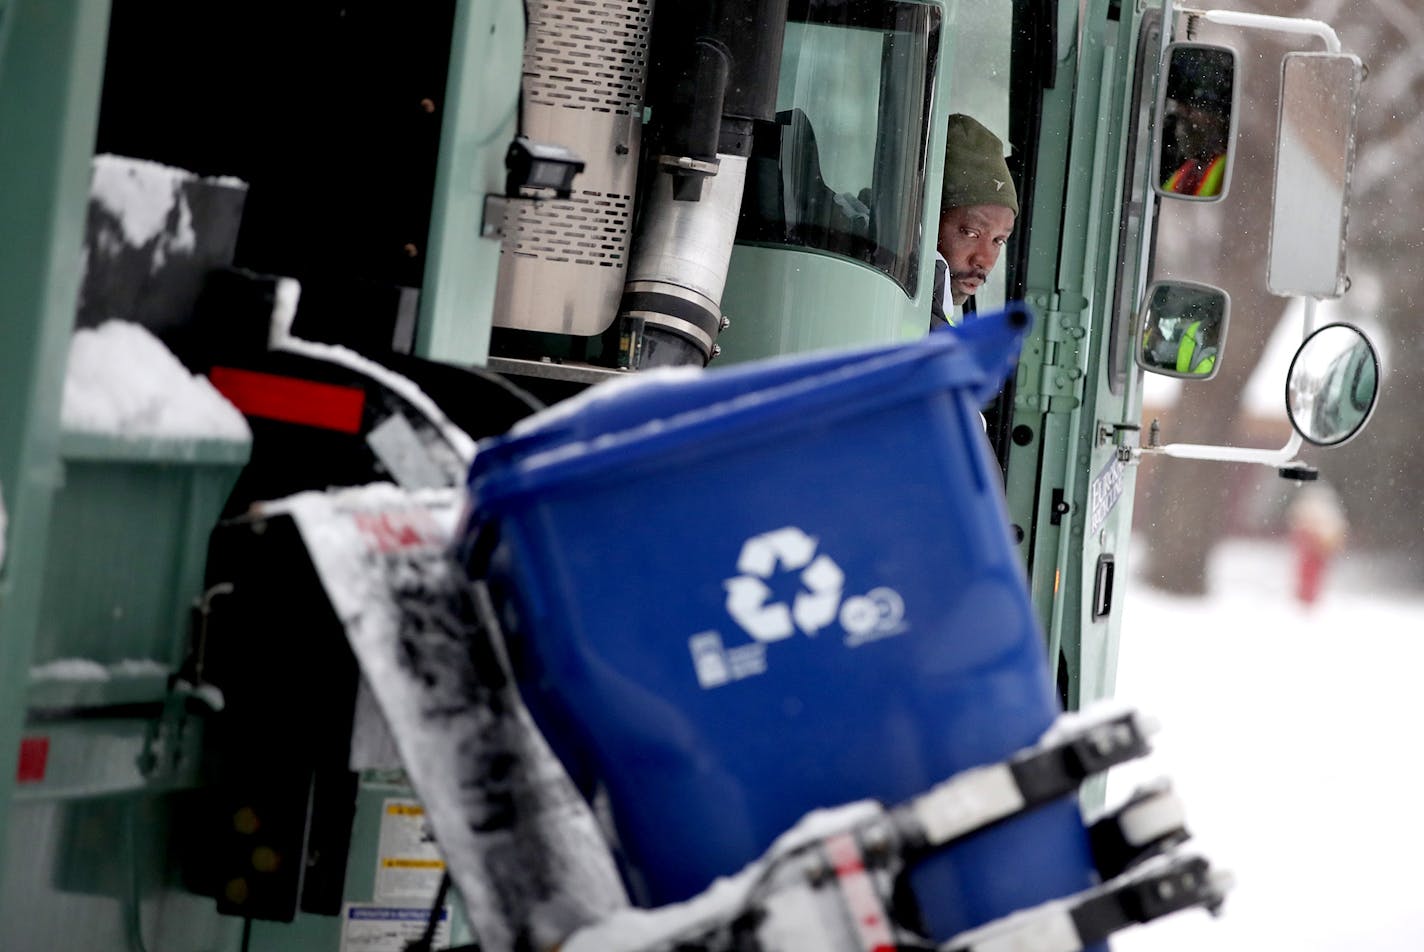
[(671, 306), (722, 63)]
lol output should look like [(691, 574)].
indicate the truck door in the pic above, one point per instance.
[(1065, 428)]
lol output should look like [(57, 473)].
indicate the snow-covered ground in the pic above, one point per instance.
[(1293, 737)]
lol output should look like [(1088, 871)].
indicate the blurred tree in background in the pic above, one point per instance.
[(1184, 506)]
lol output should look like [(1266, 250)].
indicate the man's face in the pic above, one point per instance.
[(971, 238), (1201, 132)]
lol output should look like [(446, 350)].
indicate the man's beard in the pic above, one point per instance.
[(957, 294)]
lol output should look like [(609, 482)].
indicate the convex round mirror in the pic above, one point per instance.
[(1197, 112), (1332, 384), (1183, 329)]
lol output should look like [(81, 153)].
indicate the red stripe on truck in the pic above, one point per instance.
[(291, 399), (34, 758)]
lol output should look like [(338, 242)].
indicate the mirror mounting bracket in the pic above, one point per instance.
[(1121, 434), (1299, 472), (1262, 21), (1227, 454)]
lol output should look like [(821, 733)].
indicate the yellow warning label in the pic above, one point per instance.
[(396, 863), (408, 863)]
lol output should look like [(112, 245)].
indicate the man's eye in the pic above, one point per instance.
[(1001, 242), (969, 232)]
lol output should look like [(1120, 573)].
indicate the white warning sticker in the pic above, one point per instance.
[(367, 927), (408, 865)]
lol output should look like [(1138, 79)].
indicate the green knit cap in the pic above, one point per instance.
[(975, 172)]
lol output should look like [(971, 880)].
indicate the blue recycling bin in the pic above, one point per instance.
[(737, 596)]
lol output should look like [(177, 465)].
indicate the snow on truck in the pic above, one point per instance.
[(387, 572)]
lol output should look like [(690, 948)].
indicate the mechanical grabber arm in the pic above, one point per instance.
[(828, 884)]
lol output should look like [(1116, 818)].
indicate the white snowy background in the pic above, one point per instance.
[(1291, 733)]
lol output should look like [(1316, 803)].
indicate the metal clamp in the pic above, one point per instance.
[(1082, 746), (1150, 892)]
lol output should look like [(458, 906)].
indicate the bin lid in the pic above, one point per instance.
[(656, 411)]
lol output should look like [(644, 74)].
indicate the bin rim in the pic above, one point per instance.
[(990, 340), (863, 384), (586, 415)]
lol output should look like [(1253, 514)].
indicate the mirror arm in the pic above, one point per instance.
[(1226, 454), (1261, 21), (1309, 312)]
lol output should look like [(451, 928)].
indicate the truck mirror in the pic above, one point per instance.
[(1183, 329), (1197, 122), (1315, 151), (1332, 384)]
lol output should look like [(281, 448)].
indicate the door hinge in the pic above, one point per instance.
[(1057, 384)]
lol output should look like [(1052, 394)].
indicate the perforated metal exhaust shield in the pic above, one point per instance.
[(564, 262)]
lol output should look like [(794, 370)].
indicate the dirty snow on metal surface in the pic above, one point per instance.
[(142, 196), (284, 309), (122, 381), (83, 669), (521, 846), (459, 440), (726, 897)]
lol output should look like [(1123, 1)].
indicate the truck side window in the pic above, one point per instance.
[(978, 86), (842, 168)]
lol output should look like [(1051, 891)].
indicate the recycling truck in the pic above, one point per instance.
[(477, 475)]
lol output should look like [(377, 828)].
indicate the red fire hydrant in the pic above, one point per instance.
[(1317, 525)]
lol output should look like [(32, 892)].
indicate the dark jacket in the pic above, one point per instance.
[(937, 317)]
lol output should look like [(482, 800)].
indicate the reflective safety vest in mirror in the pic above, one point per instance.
[(1191, 179), (1193, 358)]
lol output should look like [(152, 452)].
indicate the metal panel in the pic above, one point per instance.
[(49, 103), (481, 102), (785, 301), (563, 263), (141, 511), (97, 874), (4, 27)]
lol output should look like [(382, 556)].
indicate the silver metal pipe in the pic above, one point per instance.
[(681, 255)]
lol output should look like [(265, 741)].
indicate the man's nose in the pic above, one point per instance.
[(984, 254)]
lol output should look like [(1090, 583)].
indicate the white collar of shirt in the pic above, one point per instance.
[(953, 313)]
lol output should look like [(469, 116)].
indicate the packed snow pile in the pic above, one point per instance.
[(122, 381), (142, 197)]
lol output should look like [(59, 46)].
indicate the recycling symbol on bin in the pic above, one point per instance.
[(784, 550)]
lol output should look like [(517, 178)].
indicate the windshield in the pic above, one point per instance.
[(842, 168)]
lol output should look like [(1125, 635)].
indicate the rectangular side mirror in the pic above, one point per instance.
[(1182, 331), (1196, 115), (1315, 153)]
